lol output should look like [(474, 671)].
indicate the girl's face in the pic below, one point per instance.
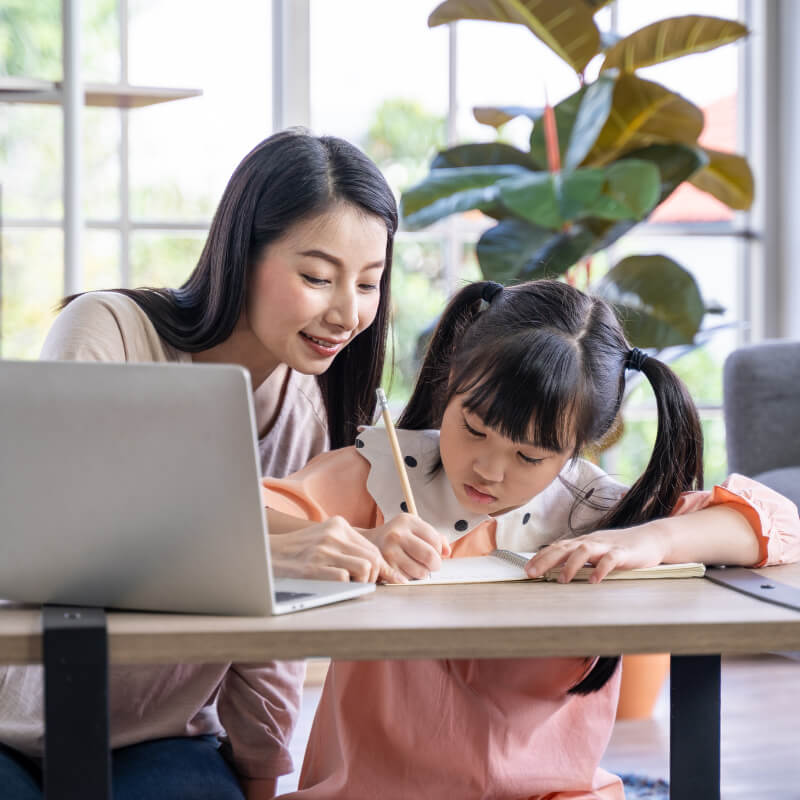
[(317, 287), (489, 472)]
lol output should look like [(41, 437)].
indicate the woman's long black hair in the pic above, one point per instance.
[(546, 362), (291, 176)]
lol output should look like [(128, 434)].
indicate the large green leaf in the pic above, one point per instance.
[(631, 189), (624, 190), (643, 113), (671, 38), (449, 191), (504, 249), (727, 177), (499, 115), (558, 254), (675, 162), (658, 301), (482, 155), (565, 26), (595, 106), (534, 196), (514, 250)]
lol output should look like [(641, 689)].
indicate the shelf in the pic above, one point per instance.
[(109, 95)]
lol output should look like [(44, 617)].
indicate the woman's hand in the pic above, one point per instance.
[(331, 550), (410, 545), (628, 548)]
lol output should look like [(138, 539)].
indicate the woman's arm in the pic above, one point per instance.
[(330, 550), (402, 548)]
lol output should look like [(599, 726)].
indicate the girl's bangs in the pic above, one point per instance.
[(528, 394)]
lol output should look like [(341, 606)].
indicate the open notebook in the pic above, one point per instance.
[(507, 565)]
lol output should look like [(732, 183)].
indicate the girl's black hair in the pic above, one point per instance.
[(288, 178), (546, 362)]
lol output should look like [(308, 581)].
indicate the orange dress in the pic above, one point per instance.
[(504, 729)]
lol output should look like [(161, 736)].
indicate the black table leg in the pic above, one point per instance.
[(77, 763), (694, 727)]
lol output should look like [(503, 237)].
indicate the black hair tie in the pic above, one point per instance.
[(636, 359), (491, 290)]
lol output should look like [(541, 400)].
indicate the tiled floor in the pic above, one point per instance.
[(760, 732)]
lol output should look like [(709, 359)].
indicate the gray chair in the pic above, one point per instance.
[(761, 387)]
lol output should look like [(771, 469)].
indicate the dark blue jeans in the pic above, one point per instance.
[(164, 769)]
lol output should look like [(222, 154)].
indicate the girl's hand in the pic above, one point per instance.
[(628, 548), (410, 545), (331, 550)]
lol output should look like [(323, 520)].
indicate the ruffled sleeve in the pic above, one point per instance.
[(773, 518), (331, 484)]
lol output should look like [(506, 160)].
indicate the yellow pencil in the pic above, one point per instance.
[(398, 456)]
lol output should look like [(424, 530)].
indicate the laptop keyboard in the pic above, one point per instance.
[(282, 597)]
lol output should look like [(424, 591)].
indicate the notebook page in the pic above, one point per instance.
[(499, 566)]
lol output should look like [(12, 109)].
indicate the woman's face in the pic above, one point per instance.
[(317, 287), (491, 473)]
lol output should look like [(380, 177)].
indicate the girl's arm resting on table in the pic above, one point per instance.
[(717, 535), (740, 522)]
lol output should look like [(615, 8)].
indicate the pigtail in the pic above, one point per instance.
[(675, 466), (425, 407)]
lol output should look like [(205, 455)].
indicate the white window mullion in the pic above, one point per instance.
[(291, 91), (72, 104), (452, 244), (124, 155)]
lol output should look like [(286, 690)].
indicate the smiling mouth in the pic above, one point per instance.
[(325, 344), (477, 496)]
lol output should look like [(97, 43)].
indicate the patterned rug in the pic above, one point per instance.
[(638, 787)]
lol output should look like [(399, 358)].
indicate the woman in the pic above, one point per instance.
[(293, 284)]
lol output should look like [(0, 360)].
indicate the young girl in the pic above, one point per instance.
[(515, 384)]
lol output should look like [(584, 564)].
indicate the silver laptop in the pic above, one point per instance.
[(136, 486)]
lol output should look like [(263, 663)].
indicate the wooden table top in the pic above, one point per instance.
[(685, 616)]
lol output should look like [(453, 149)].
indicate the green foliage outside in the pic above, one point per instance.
[(159, 260), (30, 39), (401, 138)]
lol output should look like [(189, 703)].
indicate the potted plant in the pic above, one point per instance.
[(624, 144)]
